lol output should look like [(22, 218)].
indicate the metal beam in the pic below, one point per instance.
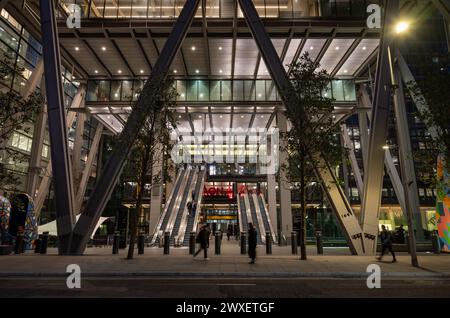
[(47, 174), (374, 172), (405, 153), (34, 164), (341, 206), (347, 54), (205, 37), (112, 169), (88, 167), (77, 145), (62, 180), (353, 161)]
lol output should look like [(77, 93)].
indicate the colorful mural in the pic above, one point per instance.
[(23, 219), (443, 205)]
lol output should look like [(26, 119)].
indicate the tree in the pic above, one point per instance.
[(432, 89), (313, 133), (16, 114), (153, 139)]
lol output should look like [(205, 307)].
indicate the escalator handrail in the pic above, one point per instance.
[(158, 229), (183, 222), (274, 236), (259, 217), (180, 198), (199, 201)]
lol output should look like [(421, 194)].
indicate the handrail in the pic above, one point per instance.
[(157, 233), (274, 235), (183, 222), (261, 226), (238, 197), (199, 201), (173, 216)]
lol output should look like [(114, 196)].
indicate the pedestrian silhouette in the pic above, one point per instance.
[(386, 243)]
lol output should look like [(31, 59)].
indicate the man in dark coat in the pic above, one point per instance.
[(252, 241), (386, 243), (203, 239)]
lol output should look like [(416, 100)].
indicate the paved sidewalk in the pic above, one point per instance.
[(337, 262)]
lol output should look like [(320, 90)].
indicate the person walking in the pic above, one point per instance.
[(401, 234), (252, 241), (386, 243), (203, 239)]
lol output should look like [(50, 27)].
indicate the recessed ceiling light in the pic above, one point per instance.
[(96, 72), (262, 116), (175, 71), (337, 47), (242, 116), (345, 71), (364, 48), (201, 94), (103, 48), (77, 48), (116, 95), (193, 48), (311, 48), (141, 71), (220, 48), (182, 94), (179, 116), (220, 71), (220, 116), (119, 71), (259, 95), (196, 71), (199, 116)]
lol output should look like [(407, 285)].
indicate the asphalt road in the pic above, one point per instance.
[(225, 287)]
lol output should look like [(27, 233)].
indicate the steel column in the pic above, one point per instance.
[(272, 202), (156, 190), (77, 145), (112, 169), (374, 171), (82, 186), (62, 180), (284, 185), (47, 174), (405, 154), (353, 161), (341, 206)]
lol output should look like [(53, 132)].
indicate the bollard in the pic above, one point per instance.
[(192, 243), (435, 243), (217, 242), (18, 246), (268, 243), (166, 243), (37, 244), (294, 243), (116, 241), (44, 243), (319, 242), (243, 243), (141, 244)]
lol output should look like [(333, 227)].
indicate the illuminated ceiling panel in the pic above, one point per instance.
[(313, 47), (278, 44), (358, 57), (293, 46), (220, 51), (246, 57), (335, 53)]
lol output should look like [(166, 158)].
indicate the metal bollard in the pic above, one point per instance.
[(435, 243), (18, 246), (44, 243), (268, 243), (319, 242), (116, 240), (192, 243), (243, 243), (166, 243), (141, 243), (294, 243), (217, 242), (407, 243), (37, 244)]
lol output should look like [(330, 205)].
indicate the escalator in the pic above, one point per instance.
[(243, 222), (169, 207), (191, 222), (256, 220), (265, 216), (175, 220)]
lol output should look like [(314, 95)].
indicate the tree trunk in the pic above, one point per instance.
[(134, 219), (303, 205)]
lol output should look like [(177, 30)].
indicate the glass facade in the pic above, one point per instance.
[(210, 90)]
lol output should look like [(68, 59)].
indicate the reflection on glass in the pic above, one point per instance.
[(115, 90)]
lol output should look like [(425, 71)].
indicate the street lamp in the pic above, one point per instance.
[(401, 27)]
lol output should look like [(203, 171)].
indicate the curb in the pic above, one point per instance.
[(231, 275)]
